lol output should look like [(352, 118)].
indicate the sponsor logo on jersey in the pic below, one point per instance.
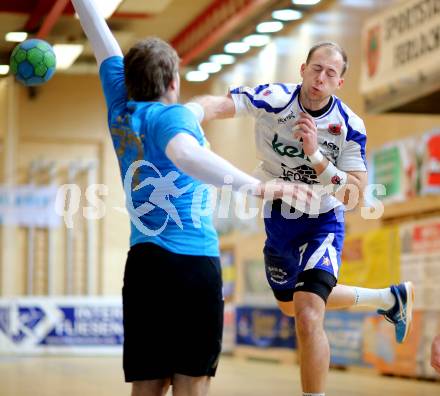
[(330, 149), (267, 92), (283, 120), (335, 129), (303, 173), (336, 179), (286, 150)]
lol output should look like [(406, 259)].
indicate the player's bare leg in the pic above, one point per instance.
[(395, 303), (157, 387), (343, 297), (184, 385), (313, 345)]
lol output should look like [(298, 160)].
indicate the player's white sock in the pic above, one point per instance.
[(313, 394), (375, 298)]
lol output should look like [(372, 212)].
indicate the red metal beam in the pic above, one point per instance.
[(39, 11), (216, 32), (131, 15), (20, 7), (197, 22), (52, 18), (28, 7), (125, 15)]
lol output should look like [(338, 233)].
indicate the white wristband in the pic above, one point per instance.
[(316, 158), (197, 110), (332, 176)]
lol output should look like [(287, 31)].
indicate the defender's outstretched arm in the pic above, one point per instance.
[(214, 107), (97, 31)]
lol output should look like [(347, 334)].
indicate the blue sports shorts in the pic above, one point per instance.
[(295, 246)]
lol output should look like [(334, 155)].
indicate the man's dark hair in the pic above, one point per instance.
[(334, 46), (149, 67)]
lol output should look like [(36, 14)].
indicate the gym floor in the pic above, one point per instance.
[(99, 376)]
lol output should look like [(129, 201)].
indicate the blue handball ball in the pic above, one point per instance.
[(33, 62)]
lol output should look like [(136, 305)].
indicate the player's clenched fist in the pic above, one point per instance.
[(305, 129)]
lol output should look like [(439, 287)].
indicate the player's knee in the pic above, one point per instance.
[(308, 320)]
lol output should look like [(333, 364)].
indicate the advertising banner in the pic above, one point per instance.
[(228, 341), (387, 356), (256, 287), (74, 326), (346, 331), (371, 259), (228, 273), (264, 328), (420, 258), (29, 206), (400, 44), (394, 166), (430, 163), (431, 328)]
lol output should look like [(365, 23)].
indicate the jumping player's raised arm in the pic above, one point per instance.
[(97, 31), (107, 52)]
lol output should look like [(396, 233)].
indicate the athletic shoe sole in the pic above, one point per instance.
[(409, 288)]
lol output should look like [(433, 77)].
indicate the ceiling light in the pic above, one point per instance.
[(66, 54), (305, 2), (106, 7), (222, 59), (257, 40), (269, 27), (4, 69), (196, 76), (16, 37), (210, 67), (287, 15), (236, 48)]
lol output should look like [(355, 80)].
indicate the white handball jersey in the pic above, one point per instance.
[(276, 107)]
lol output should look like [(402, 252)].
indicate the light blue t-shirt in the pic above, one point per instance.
[(166, 206)]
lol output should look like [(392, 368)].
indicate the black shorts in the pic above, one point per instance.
[(173, 314), (314, 281)]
